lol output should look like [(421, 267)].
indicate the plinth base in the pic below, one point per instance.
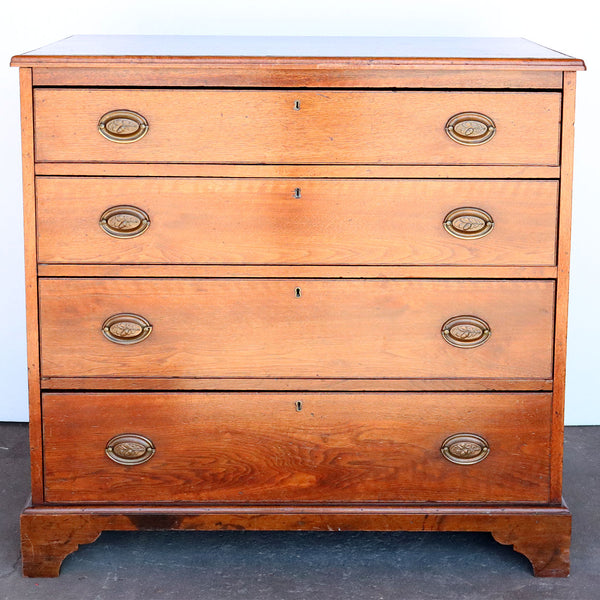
[(542, 534)]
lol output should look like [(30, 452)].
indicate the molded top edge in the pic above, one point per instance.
[(140, 50)]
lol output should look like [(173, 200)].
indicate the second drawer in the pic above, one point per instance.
[(311, 328), (302, 221)]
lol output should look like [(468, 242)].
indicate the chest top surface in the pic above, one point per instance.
[(151, 49)]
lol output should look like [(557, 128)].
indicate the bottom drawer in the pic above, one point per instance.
[(296, 448)]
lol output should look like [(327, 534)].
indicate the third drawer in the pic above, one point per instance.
[(315, 328)]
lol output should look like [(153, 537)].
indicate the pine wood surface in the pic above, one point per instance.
[(320, 171), (352, 384), (259, 328), (562, 283), (361, 346), (358, 127), (341, 51), (292, 75), (260, 221), (296, 271), (542, 534), (260, 448), (31, 285)]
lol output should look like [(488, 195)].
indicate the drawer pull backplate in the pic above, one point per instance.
[(126, 328), (124, 221), (123, 126), (468, 223), (466, 331), (470, 128), (130, 449), (465, 448)]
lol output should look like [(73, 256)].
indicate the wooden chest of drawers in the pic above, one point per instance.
[(301, 284)]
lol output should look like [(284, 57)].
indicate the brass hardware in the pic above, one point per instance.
[(130, 449), (123, 126), (297, 105), (468, 223), (465, 448), (298, 405), (466, 331), (126, 328), (124, 221), (297, 193), (470, 128), (298, 292)]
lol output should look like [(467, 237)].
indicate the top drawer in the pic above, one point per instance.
[(295, 126)]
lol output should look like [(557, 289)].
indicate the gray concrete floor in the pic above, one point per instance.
[(316, 566)]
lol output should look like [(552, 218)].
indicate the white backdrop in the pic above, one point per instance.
[(569, 28)]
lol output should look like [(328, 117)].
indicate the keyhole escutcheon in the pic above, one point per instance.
[(297, 105), (298, 292)]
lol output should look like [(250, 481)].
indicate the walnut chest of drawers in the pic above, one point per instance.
[(311, 283)]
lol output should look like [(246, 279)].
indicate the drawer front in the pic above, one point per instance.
[(306, 221), (296, 328), (261, 448), (295, 126)]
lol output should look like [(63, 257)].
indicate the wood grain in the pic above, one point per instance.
[(543, 533), (294, 384), (260, 448), (313, 52), (296, 271), (562, 283), (260, 221), (259, 328), (31, 285), (217, 271), (359, 127), (323, 171), (293, 76), (47, 539), (216, 48)]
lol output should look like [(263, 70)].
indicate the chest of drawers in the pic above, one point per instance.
[(312, 283)]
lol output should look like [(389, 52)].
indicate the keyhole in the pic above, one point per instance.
[(297, 105), (298, 405), (297, 193), (298, 292)]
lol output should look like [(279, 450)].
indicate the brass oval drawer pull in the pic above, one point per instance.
[(470, 128), (126, 328), (123, 126), (124, 221), (468, 223), (466, 331), (130, 449), (465, 448)]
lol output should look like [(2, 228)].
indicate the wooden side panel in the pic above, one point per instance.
[(562, 284), (31, 287), (215, 126), (303, 222), (261, 328), (261, 448), (294, 77)]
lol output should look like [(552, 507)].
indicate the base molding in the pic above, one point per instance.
[(542, 534)]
